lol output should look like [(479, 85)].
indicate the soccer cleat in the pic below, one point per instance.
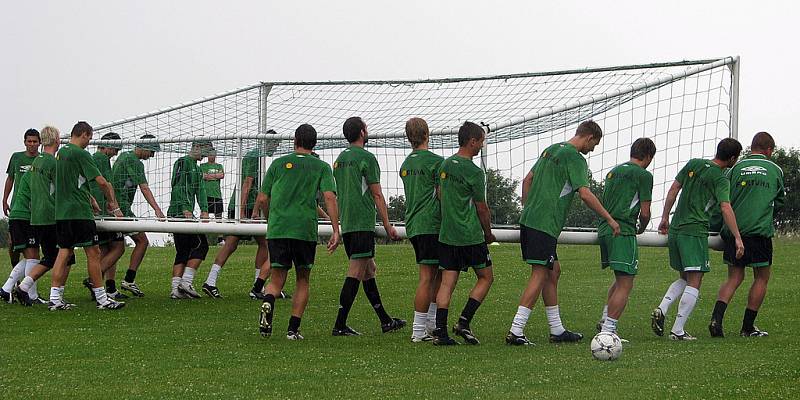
[(466, 333), (419, 339), (256, 295), (7, 296), (59, 306), (264, 326), (132, 287), (715, 328), (685, 336), (39, 301), (294, 335), (188, 290), (344, 331), (284, 295), (599, 325), (657, 321), (444, 341), (395, 325), (514, 340), (177, 294), (566, 337), (111, 304), (88, 284), (117, 295), (22, 297), (754, 333), (211, 291)]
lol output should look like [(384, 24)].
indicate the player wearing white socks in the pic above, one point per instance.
[(23, 238), (703, 187)]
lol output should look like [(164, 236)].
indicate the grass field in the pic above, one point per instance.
[(162, 348)]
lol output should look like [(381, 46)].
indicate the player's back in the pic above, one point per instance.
[(626, 186), (419, 175), (43, 190), (461, 184), (756, 189), (354, 170), (74, 169), (703, 187)]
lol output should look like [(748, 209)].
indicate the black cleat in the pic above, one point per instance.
[(514, 340), (284, 295), (657, 321), (6, 296), (257, 295), (22, 297), (444, 341), (395, 325), (715, 328), (566, 337), (345, 331), (88, 284), (264, 324), (211, 291), (117, 295), (39, 301), (466, 333), (754, 333), (684, 337)]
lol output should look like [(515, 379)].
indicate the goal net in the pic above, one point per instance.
[(685, 107)]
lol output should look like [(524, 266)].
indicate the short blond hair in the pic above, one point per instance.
[(417, 131), (50, 135)]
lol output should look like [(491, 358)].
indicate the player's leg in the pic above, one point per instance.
[(198, 249), (617, 300), (430, 324), (558, 334), (26, 291), (531, 293), (58, 277), (359, 247), (370, 284), (274, 287), (754, 300), (116, 248), (422, 301), (229, 247), (622, 256), (96, 276), (481, 263), (140, 243), (31, 258), (694, 257), (182, 250), (724, 296), (674, 290), (299, 302), (19, 241), (443, 296)]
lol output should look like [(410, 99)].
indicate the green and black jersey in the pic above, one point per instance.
[(103, 163), (419, 173), (703, 188), (18, 165), (757, 189), (626, 187), (461, 185), (126, 176), (21, 209), (354, 170), (43, 190), (250, 168), (213, 189), (75, 168), (187, 186)]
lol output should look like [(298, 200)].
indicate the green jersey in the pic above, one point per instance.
[(75, 168), (21, 210), (703, 188), (557, 175), (126, 176), (212, 185), (354, 170), (43, 190), (103, 163), (292, 183), (756, 190), (187, 186), (626, 186), (18, 165), (249, 170), (419, 173), (461, 185)]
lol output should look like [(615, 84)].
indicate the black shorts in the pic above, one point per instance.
[(215, 206), (105, 238), (538, 248), (757, 251), (426, 249), (359, 244), (48, 240), (462, 258), (74, 233), (285, 252), (190, 246), (23, 236)]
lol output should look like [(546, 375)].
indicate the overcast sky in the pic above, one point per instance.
[(100, 61)]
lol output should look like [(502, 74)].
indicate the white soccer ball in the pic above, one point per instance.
[(606, 346)]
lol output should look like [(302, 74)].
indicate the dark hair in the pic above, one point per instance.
[(762, 141), (642, 148), (352, 128), (32, 132), (305, 136), (80, 128), (469, 131), (728, 148), (589, 128)]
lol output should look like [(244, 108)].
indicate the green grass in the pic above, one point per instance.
[(162, 348)]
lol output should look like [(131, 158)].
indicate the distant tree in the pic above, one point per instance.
[(787, 218), (581, 216), (397, 208), (502, 198)]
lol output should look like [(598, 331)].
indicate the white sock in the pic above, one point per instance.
[(520, 320), (554, 320), (685, 307), (258, 271), (27, 283), (32, 293), (100, 294), (17, 273), (55, 295), (188, 275), (675, 290), (610, 325), (420, 321), (431, 323), (175, 281), (212, 275), (605, 313)]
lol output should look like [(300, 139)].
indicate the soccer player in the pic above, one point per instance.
[(357, 176), (464, 233), (288, 197), (213, 173), (18, 165), (703, 187), (419, 173), (43, 215), (190, 248), (627, 195), (547, 193), (127, 175), (75, 225), (24, 239), (757, 189)]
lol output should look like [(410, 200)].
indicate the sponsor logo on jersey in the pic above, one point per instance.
[(289, 165), (754, 170)]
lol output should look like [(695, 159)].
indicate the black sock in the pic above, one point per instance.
[(258, 285), (374, 296), (271, 300), (294, 323), (468, 312), (346, 298), (719, 311), (130, 276), (749, 320), (111, 286), (441, 320)]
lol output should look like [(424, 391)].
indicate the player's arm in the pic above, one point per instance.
[(246, 186), (108, 192), (644, 216), (730, 220), (95, 206), (321, 214), (333, 213), (7, 192), (594, 204), (526, 186), (672, 195), (261, 205), (383, 211), (202, 199), (484, 216), (148, 195)]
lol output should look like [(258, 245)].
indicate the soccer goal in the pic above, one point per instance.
[(686, 107)]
